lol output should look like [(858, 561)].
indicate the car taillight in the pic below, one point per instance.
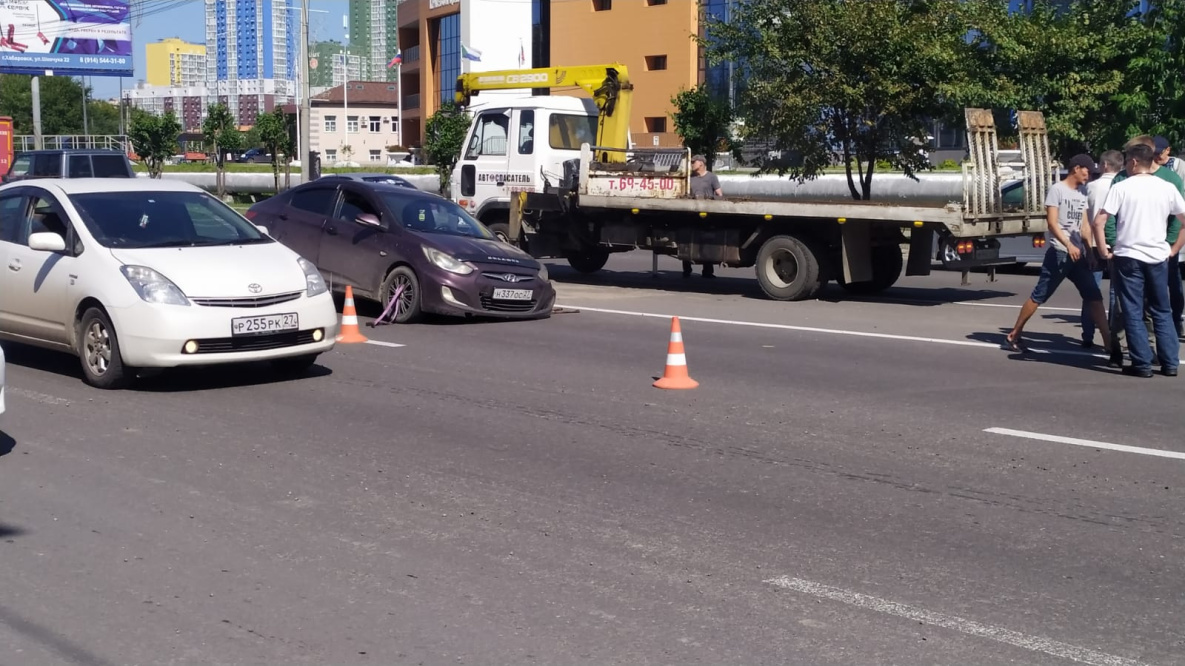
[(251, 214), (965, 247), (1038, 241)]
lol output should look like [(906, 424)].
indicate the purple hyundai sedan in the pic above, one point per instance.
[(385, 240)]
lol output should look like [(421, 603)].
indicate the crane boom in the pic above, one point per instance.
[(609, 86)]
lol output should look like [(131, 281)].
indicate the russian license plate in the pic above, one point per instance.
[(264, 324), (513, 294)]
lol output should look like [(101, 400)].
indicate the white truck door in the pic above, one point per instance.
[(485, 162), (523, 174)]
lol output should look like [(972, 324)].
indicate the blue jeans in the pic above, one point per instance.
[(1139, 283), (1057, 267), (1176, 293), (1088, 327)]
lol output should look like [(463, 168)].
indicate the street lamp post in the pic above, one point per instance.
[(305, 116)]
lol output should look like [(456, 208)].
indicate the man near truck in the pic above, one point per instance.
[(704, 185), (1111, 163), (1140, 257), (1065, 253), (1172, 236)]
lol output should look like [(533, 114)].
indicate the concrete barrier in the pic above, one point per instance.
[(936, 188)]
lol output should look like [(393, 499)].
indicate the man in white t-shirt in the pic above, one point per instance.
[(1140, 205), (1111, 163)]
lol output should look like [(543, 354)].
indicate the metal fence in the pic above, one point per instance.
[(23, 142)]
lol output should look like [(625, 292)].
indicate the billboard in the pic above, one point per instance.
[(5, 145), (67, 37)]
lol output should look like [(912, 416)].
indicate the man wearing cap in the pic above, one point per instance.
[(1065, 258), (1140, 254), (704, 185), (1172, 236)]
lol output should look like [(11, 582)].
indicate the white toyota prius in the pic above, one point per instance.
[(144, 273)]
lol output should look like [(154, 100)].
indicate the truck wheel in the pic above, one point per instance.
[(501, 230), (887, 263), (589, 261), (789, 269)]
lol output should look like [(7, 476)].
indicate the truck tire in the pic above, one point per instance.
[(789, 269), (589, 261), (887, 263), (501, 230)]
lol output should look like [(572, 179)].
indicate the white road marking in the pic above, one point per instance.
[(1161, 453), (832, 331), (39, 397), (380, 343), (970, 627), (1008, 305)]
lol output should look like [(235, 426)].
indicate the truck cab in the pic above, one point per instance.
[(513, 144)]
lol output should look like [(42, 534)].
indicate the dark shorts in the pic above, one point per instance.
[(1057, 267)]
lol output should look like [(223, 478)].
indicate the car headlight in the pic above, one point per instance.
[(312, 278), (152, 286), (543, 272), (450, 264)]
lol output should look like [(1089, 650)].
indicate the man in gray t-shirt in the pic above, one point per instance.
[(1065, 251), (704, 185)]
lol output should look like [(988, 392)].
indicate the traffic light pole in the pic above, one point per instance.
[(306, 165)]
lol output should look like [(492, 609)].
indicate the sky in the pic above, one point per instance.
[(187, 20)]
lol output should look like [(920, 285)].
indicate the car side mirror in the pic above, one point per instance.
[(47, 241), (262, 229), (368, 220)]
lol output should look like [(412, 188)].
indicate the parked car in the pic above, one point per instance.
[(2, 384), (256, 155), (152, 274), (384, 240), (377, 177), (69, 164)]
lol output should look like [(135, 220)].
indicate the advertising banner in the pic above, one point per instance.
[(66, 37), (5, 145)]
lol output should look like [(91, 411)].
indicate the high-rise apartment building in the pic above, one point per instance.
[(253, 51), (373, 26), (175, 62)]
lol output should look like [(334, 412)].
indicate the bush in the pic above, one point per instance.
[(949, 165)]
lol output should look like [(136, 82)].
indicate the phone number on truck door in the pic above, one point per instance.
[(642, 184)]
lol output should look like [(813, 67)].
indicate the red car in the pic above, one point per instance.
[(385, 240)]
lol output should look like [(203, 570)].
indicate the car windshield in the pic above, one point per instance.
[(163, 219), (388, 180), (436, 216)]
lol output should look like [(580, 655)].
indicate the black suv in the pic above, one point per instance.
[(69, 164)]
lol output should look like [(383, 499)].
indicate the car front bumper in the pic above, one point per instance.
[(155, 336), (462, 297)]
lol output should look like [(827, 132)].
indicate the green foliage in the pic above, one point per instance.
[(251, 138), (61, 106), (275, 137), (154, 139), (705, 123), (949, 165), (444, 137), (222, 137), (858, 78)]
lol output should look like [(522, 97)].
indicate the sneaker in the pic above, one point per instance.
[(1133, 371), (1087, 344), (1116, 360), (1168, 372)]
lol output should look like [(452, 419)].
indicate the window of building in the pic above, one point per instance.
[(376, 155), (602, 5), (489, 135), (352, 124), (655, 3), (448, 30), (526, 132), (376, 124), (331, 155), (656, 124), (330, 123), (656, 62), (540, 37)]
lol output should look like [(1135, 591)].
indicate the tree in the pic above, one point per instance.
[(289, 147), (864, 79), (273, 134), (444, 136), (222, 136), (705, 123), (61, 106), (154, 139)]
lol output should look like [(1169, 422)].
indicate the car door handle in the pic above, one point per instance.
[(283, 216), (332, 231), (14, 265)]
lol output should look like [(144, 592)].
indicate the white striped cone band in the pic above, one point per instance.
[(349, 320), (676, 337), (349, 303), (676, 359)]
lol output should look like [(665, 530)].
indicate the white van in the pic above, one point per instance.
[(513, 144)]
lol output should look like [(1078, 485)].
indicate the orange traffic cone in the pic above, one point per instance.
[(675, 376), (349, 331)]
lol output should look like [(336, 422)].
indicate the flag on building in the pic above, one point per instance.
[(397, 60), (522, 54), (470, 54)]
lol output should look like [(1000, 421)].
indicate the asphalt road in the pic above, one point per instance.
[(518, 493)]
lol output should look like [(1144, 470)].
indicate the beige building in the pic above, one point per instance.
[(175, 62), (355, 124)]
